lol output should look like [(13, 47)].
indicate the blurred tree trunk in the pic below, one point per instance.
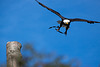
[(13, 53)]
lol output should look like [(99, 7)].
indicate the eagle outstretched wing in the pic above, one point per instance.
[(78, 19), (51, 10)]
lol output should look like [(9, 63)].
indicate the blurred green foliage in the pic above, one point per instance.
[(34, 58)]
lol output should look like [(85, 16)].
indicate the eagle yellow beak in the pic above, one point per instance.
[(66, 22)]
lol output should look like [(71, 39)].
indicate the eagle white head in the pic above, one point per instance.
[(66, 21)]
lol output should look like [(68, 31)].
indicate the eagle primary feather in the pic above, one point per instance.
[(51, 10)]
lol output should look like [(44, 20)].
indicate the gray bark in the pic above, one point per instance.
[(13, 53)]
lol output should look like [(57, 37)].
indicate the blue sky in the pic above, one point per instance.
[(26, 21)]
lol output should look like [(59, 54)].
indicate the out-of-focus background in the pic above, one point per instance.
[(26, 21)]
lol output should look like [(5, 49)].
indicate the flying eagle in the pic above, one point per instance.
[(65, 21)]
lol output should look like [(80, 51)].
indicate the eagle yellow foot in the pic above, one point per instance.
[(58, 29)]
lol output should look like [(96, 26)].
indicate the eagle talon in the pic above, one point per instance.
[(65, 33), (57, 26)]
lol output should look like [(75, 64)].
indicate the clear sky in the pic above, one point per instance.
[(26, 21)]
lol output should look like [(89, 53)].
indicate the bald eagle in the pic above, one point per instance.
[(65, 22)]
